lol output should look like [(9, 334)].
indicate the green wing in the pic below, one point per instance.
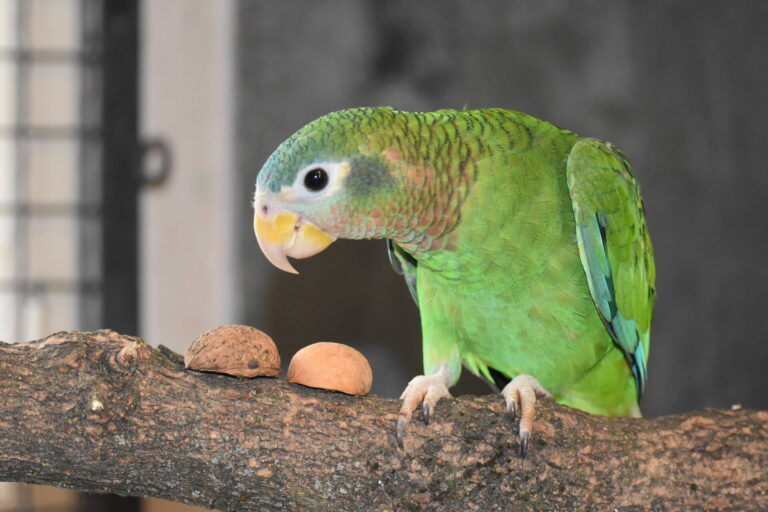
[(405, 265), (614, 246)]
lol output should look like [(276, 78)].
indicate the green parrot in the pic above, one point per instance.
[(524, 245)]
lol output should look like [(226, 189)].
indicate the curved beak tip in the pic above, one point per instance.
[(284, 235)]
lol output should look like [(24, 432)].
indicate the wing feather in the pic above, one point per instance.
[(614, 246), (405, 265)]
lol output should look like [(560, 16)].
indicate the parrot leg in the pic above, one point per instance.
[(424, 390), (520, 395)]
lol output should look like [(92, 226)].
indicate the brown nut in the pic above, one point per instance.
[(331, 366), (237, 350)]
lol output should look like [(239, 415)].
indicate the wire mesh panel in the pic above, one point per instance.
[(50, 146), (68, 180)]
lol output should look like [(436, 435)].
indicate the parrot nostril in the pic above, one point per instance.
[(265, 209)]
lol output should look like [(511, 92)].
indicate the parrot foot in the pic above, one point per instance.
[(520, 395), (424, 390)]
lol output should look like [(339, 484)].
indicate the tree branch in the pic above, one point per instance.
[(102, 412)]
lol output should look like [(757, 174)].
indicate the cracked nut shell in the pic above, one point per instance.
[(238, 350), (331, 366)]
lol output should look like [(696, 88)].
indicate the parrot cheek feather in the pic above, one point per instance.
[(437, 244), (392, 155), (434, 231)]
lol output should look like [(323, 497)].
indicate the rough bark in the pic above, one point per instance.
[(108, 413)]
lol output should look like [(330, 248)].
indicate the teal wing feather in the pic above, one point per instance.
[(614, 246), (405, 265)]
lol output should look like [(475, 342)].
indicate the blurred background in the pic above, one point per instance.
[(131, 133)]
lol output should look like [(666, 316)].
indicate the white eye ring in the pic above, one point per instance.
[(333, 174)]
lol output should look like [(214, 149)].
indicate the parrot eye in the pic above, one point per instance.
[(316, 179)]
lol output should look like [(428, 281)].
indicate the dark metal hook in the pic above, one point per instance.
[(157, 152)]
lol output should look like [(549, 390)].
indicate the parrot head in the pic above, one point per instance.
[(332, 179)]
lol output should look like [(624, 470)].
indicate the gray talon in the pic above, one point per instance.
[(400, 431), (426, 412), (512, 408), (523, 443)]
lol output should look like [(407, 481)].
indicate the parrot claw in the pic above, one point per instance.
[(400, 431), (524, 435), (424, 390), (520, 395), (426, 410), (512, 409)]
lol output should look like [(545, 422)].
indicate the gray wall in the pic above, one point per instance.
[(680, 86)]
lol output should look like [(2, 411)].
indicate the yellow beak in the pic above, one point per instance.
[(286, 234)]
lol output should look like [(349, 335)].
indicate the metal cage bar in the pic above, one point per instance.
[(98, 62)]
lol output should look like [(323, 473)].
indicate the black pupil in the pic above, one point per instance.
[(316, 179)]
